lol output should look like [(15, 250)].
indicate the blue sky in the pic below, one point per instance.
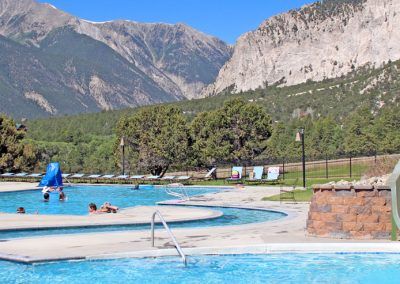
[(226, 19)]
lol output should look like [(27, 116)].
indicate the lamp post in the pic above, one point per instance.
[(122, 144), (300, 138)]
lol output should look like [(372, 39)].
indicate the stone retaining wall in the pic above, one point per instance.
[(350, 212)]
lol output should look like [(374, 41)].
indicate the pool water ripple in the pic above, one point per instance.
[(122, 196), (271, 268)]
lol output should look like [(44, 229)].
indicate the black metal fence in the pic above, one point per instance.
[(325, 169)]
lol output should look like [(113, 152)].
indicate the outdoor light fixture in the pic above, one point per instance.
[(300, 138), (122, 144)]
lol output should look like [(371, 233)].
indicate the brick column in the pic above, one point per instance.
[(350, 212)]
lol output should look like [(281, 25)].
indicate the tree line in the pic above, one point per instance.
[(162, 138)]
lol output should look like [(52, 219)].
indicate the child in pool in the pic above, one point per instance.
[(20, 210)]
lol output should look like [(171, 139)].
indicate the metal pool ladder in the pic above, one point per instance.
[(183, 195), (177, 246)]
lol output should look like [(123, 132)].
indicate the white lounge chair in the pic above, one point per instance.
[(137, 177), (151, 177), (236, 174), (257, 174), (35, 175), (77, 175), (168, 178), (210, 173), (122, 177), (107, 176), (94, 176), (273, 175), (7, 175), (180, 178), (65, 175)]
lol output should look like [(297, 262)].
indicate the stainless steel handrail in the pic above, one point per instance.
[(177, 246), (183, 195)]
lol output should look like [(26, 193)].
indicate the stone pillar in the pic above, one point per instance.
[(350, 212)]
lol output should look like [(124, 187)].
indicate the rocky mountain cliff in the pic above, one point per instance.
[(88, 66), (316, 42)]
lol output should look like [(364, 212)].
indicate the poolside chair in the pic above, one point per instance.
[(137, 177), (210, 173), (167, 178), (152, 177), (122, 177), (94, 176), (256, 174), (273, 175), (77, 176), (236, 174), (21, 175), (35, 175), (182, 178), (107, 176), (65, 175), (7, 175)]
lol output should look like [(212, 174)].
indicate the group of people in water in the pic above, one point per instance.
[(50, 189), (105, 208)]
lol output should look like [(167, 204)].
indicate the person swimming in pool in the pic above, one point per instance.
[(20, 210), (93, 209), (61, 195), (108, 208), (46, 197), (105, 208)]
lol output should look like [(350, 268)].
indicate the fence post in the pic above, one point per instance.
[(326, 167), (351, 174), (283, 169)]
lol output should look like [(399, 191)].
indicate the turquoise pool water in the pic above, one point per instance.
[(275, 268), (232, 216), (78, 198)]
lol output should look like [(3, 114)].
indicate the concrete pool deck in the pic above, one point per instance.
[(17, 186), (266, 236), (131, 216)]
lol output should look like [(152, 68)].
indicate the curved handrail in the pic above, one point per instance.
[(394, 182), (183, 195), (177, 246)]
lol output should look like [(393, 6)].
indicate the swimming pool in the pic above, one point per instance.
[(269, 268), (231, 216), (78, 198)]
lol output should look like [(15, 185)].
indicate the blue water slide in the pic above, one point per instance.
[(53, 176)]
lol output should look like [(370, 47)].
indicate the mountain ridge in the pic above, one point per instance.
[(315, 42), (176, 59)]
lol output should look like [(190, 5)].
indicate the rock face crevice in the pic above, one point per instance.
[(316, 42)]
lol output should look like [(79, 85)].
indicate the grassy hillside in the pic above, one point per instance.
[(334, 97), (70, 73)]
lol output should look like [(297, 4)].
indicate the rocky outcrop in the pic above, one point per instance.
[(158, 62), (179, 58), (41, 102), (313, 43)]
